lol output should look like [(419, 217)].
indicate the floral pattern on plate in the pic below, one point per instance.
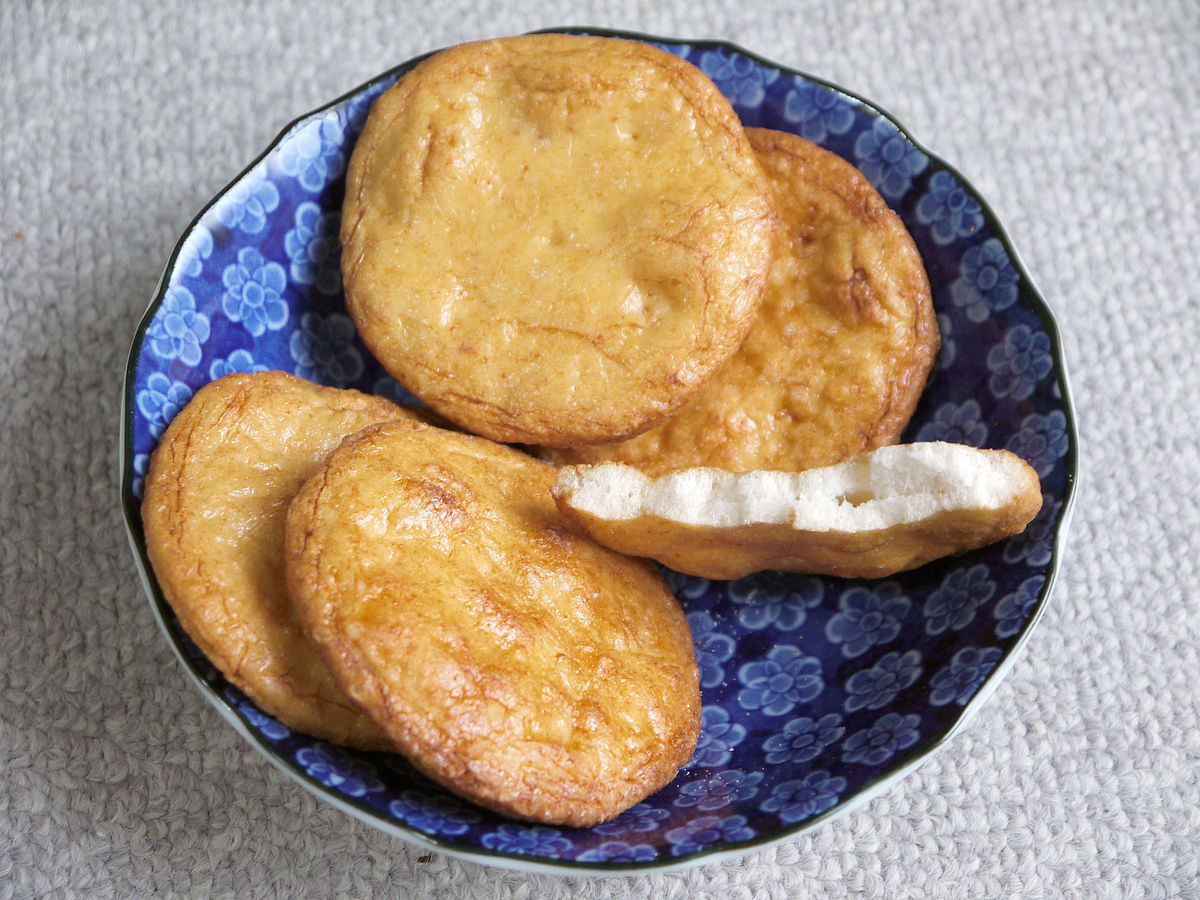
[(816, 691)]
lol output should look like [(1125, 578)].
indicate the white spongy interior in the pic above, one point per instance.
[(889, 486)]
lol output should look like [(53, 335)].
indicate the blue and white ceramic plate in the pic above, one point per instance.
[(817, 692)]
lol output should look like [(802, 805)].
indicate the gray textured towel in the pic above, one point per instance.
[(1078, 121)]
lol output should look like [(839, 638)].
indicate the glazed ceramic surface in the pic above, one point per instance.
[(817, 692)]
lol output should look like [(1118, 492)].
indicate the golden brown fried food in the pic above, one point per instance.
[(216, 497), (517, 663), (554, 239), (883, 512), (845, 337)]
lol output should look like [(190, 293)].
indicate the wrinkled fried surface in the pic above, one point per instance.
[(216, 497), (838, 356), (554, 239), (887, 511), (515, 662)]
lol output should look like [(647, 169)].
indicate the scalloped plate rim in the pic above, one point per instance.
[(872, 787)]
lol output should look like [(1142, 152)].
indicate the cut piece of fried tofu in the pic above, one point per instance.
[(882, 512)]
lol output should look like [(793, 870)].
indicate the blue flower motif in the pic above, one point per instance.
[(267, 727), (818, 111), (237, 361), (740, 79), (954, 602), (313, 154), (719, 790), (527, 840), (680, 50), (718, 737), (948, 209), (878, 686), (890, 733), (333, 769), (386, 386), (161, 400), (324, 351), (867, 617), (804, 797), (1041, 440), (803, 739), (957, 424), (433, 813), (618, 851), (712, 648), (1012, 612), (1019, 363), (689, 587), (961, 678), (766, 599), (705, 831), (987, 283), (195, 250), (1033, 546), (314, 249), (949, 349), (253, 292), (638, 819), (887, 159), (246, 205), (776, 684), (141, 462), (354, 112), (178, 330)]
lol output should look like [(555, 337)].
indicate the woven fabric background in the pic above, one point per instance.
[(1078, 121)]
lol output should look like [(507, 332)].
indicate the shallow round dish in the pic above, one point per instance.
[(818, 692)]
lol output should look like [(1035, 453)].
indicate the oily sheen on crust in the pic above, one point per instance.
[(216, 496), (517, 663), (554, 239), (838, 356)]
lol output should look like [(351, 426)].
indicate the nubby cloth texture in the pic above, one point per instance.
[(1076, 122)]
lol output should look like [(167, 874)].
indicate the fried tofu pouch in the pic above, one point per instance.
[(517, 663), (887, 511), (844, 340), (217, 492), (554, 239)]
